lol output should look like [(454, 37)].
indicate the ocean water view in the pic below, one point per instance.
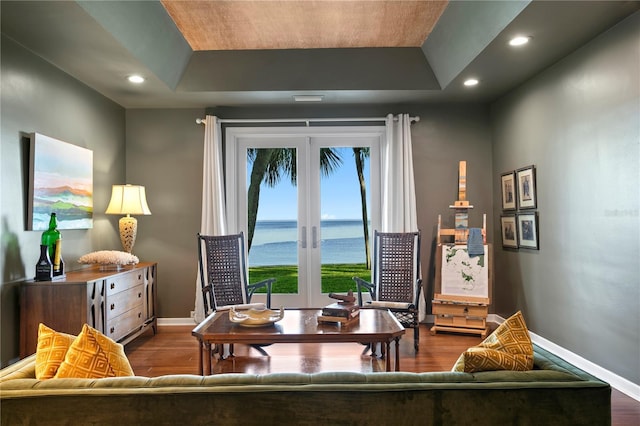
[(275, 242)]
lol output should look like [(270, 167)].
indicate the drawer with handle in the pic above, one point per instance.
[(459, 309), (120, 326), (125, 281), (457, 321), (124, 301)]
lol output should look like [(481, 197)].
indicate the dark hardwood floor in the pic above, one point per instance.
[(174, 351)]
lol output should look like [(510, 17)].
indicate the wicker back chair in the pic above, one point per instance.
[(396, 281), (223, 272)]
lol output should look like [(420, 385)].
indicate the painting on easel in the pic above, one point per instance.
[(464, 275)]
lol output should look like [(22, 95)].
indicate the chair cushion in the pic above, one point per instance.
[(392, 305), (509, 347), (94, 355), (51, 350)]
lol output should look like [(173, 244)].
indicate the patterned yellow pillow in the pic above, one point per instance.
[(507, 348), (94, 355), (52, 348)]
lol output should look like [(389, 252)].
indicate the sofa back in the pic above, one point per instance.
[(553, 391)]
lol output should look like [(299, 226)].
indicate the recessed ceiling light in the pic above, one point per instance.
[(519, 41), (308, 98), (471, 82), (136, 79)]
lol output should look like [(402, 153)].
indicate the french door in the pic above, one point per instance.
[(297, 195)]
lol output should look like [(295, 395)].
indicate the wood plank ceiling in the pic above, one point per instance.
[(306, 24)]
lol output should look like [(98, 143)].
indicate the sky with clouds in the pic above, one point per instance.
[(340, 194)]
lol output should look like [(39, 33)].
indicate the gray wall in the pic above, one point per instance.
[(36, 97), (164, 153), (579, 123)]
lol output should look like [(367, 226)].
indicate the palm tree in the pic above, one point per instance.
[(360, 154), (272, 164)]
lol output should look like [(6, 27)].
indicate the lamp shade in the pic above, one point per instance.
[(128, 199)]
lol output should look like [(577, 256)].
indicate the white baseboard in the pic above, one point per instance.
[(619, 383), (176, 321)]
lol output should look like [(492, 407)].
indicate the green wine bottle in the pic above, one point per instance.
[(53, 240)]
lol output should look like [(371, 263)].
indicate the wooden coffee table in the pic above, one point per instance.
[(301, 326)]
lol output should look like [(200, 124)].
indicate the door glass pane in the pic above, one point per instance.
[(344, 204), (272, 219)]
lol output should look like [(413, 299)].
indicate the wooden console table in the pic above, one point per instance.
[(121, 304), (301, 326)]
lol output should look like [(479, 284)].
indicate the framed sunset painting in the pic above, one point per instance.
[(60, 181)]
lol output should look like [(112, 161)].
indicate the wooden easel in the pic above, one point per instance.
[(455, 313)]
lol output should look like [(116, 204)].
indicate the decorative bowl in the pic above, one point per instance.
[(255, 317)]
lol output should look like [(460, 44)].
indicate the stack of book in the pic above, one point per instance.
[(338, 312)]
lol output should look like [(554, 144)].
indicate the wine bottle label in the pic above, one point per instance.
[(44, 271), (44, 268), (57, 255)]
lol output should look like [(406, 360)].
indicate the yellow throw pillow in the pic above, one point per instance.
[(507, 348), (52, 348), (93, 355)]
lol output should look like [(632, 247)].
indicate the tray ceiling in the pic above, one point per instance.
[(257, 53), (240, 25)]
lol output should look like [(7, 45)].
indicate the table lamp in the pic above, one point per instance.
[(128, 199)]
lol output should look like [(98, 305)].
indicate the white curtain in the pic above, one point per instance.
[(398, 185), (399, 213), (214, 219)]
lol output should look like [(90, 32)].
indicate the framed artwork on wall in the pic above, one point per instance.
[(526, 180), (508, 185), (60, 181), (509, 230), (528, 231)]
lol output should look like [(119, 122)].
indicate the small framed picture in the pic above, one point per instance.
[(528, 231), (508, 185), (509, 229), (526, 179)]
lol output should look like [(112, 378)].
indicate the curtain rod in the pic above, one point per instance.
[(299, 120)]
